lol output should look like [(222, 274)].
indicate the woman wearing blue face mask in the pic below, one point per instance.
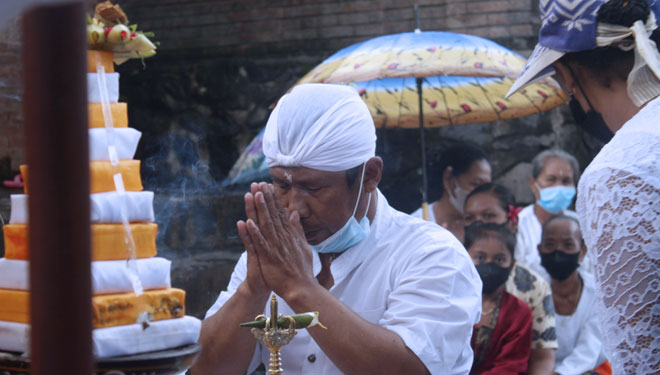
[(554, 176)]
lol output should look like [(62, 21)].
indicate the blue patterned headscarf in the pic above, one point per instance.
[(571, 26)]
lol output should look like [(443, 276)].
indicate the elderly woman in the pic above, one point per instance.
[(554, 176), (606, 58)]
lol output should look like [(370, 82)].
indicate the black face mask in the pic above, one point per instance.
[(492, 276), (559, 264), (592, 122)]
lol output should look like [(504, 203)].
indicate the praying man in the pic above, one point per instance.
[(398, 295)]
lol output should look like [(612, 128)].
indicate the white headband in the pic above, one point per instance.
[(643, 80), (320, 126)]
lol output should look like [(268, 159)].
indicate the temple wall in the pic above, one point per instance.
[(11, 116)]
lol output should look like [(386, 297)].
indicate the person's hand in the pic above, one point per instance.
[(279, 241), (254, 281)]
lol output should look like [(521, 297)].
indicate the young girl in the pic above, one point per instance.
[(502, 339), (493, 203)]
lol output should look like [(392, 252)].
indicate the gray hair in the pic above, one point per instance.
[(539, 162)]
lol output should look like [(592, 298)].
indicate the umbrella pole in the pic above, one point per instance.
[(422, 141)]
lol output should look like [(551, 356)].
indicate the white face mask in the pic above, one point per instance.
[(458, 197)]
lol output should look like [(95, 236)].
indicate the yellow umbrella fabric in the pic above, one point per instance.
[(393, 102)]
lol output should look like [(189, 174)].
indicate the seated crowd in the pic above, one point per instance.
[(538, 300)]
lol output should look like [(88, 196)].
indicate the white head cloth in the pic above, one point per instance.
[(320, 126), (644, 78)]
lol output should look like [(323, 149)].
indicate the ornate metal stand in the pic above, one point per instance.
[(274, 338)]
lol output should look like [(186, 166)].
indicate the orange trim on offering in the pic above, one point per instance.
[(96, 56), (119, 115), (108, 241), (101, 176), (107, 310)]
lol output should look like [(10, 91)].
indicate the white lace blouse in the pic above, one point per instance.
[(619, 209)]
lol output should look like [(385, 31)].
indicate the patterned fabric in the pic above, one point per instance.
[(566, 26), (466, 79), (423, 54), (569, 25), (453, 100), (619, 206), (536, 293), (502, 346), (483, 335)]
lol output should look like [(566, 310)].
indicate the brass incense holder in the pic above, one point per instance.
[(273, 337)]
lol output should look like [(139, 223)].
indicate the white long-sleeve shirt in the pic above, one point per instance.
[(409, 276), (579, 335)]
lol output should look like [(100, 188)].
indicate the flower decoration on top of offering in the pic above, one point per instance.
[(109, 30)]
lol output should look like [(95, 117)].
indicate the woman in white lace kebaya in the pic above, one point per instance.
[(606, 57)]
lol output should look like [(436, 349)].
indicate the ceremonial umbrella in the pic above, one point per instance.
[(433, 78), (452, 100)]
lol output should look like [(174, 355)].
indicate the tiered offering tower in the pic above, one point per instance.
[(134, 307)]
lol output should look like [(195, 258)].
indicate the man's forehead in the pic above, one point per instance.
[(303, 174)]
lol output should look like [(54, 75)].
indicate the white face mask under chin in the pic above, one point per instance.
[(458, 197)]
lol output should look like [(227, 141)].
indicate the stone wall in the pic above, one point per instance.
[(264, 28), (222, 64), (11, 117)]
